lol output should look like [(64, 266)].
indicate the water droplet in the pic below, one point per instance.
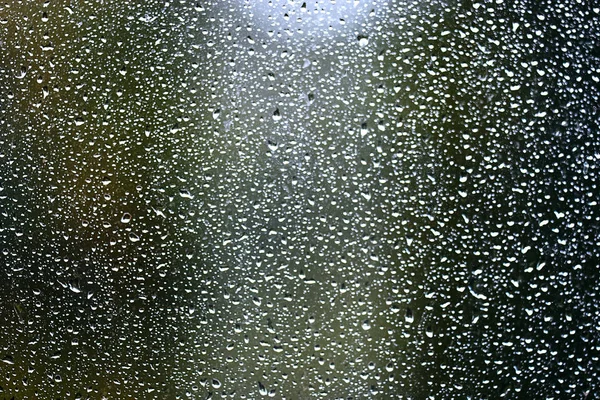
[(366, 325), (262, 389), (126, 218), (364, 129), (362, 40), (8, 360), (409, 317), (22, 73), (272, 145), (74, 288), (276, 115), (184, 193), (429, 332)]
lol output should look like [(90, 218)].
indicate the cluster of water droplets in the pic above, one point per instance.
[(330, 199)]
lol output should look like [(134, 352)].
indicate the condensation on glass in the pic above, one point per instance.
[(299, 199)]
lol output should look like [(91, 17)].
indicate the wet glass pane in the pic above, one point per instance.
[(333, 199)]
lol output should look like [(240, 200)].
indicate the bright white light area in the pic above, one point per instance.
[(314, 17)]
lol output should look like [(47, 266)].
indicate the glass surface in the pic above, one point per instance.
[(292, 199)]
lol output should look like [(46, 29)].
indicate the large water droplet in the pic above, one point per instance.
[(366, 325), (126, 218)]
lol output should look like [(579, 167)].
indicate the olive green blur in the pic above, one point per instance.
[(326, 199)]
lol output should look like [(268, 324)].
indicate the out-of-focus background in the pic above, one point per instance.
[(287, 199)]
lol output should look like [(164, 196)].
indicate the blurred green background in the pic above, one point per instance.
[(333, 199)]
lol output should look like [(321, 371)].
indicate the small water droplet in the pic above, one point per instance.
[(366, 325), (74, 288), (362, 40), (272, 145), (429, 332), (8, 360), (126, 218), (262, 389), (389, 367), (184, 193), (409, 317), (364, 129), (22, 72), (276, 115)]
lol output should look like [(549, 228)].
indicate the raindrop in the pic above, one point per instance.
[(184, 193), (364, 130), (409, 317), (276, 115), (362, 40), (429, 332), (8, 359), (126, 218), (366, 325), (262, 389)]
